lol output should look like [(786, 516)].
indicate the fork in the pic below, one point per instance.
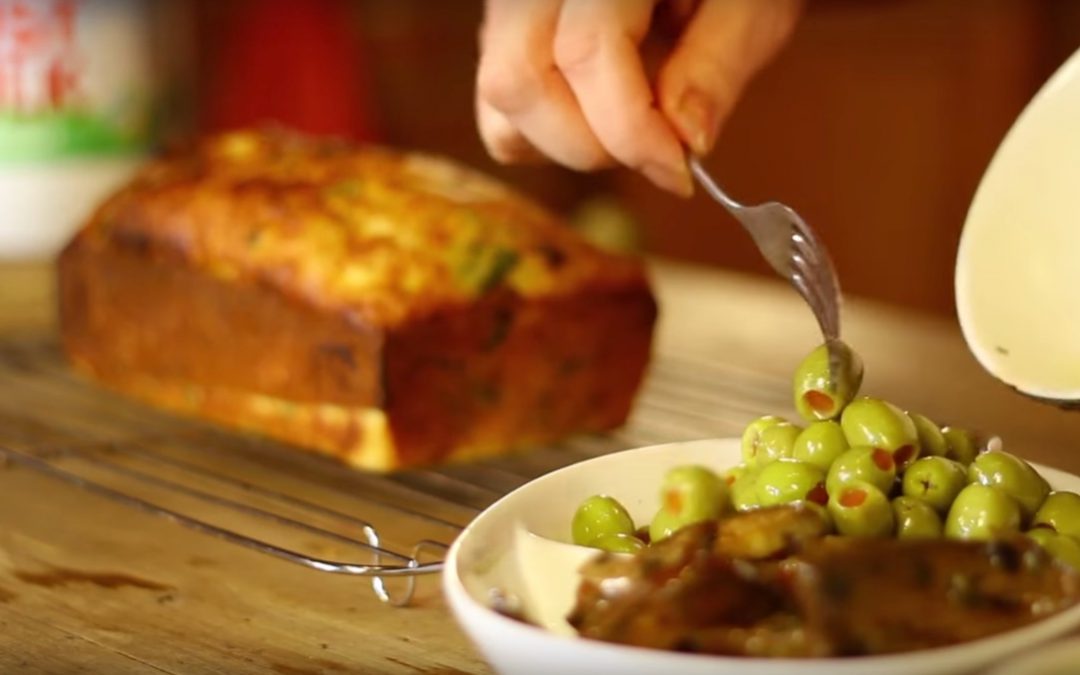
[(792, 249)]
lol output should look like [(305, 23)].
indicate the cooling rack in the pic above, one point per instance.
[(257, 494)]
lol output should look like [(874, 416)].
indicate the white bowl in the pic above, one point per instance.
[(1018, 265), (510, 546), (1061, 658)]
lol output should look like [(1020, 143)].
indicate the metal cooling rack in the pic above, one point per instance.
[(200, 476)]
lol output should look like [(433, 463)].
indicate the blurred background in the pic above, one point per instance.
[(875, 123)]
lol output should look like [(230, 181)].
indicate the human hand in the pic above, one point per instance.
[(564, 80)]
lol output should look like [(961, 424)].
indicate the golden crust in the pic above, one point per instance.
[(389, 309), (383, 234)]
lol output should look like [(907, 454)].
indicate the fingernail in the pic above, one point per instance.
[(676, 180), (697, 119)]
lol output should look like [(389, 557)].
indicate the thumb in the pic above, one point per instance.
[(725, 43)]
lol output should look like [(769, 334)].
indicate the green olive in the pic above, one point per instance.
[(778, 442), (1061, 511), (820, 443), (861, 510), (1061, 546), (619, 543), (694, 493), (880, 424), (961, 444), (915, 519), (862, 463), (982, 512), (688, 494), (1013, 476), (1066, 549), (732, 476), (1041, 535), (743, 490), (751, 438), (819, 395), (599, 516), (935, 480), (735, 474), (931, 440), (787, 480), (664, 524)]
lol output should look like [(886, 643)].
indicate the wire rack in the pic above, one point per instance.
[(261, 495)]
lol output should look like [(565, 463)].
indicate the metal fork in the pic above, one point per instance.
[(792, 249)]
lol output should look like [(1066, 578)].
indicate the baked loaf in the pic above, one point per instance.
[(389, 309)]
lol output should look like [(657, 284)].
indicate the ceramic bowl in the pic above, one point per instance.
[(519, 545), (1060, 658), (1018, 265)]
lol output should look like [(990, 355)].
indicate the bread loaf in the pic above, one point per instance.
[(387, 308)]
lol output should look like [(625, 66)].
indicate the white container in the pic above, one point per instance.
[(75, 113), (519, 546), (1018, 265)]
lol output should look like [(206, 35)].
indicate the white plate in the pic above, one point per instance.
[(509, 546), (1018, 265)]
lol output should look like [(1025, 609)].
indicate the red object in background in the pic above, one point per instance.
[(39, 67), (293, 62)]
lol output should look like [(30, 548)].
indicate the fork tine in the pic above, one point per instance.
[(805, 289), (805, 247), (790, 247), (831, 289), (816, 293), (801, 227), (805, 232), (806, 241), (818, 268), (809, 239), (825, 280), (807, 273), (831, 302)]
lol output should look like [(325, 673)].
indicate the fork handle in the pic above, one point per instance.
[(710, 185)]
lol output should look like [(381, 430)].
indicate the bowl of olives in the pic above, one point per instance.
[(861, 537)]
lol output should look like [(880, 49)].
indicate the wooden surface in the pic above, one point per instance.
[(88, 585)]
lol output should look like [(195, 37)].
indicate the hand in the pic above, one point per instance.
[(564, 80)]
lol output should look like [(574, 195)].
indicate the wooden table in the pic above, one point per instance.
[(89, 585)]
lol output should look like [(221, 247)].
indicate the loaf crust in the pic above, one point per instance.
[(389, 309)]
